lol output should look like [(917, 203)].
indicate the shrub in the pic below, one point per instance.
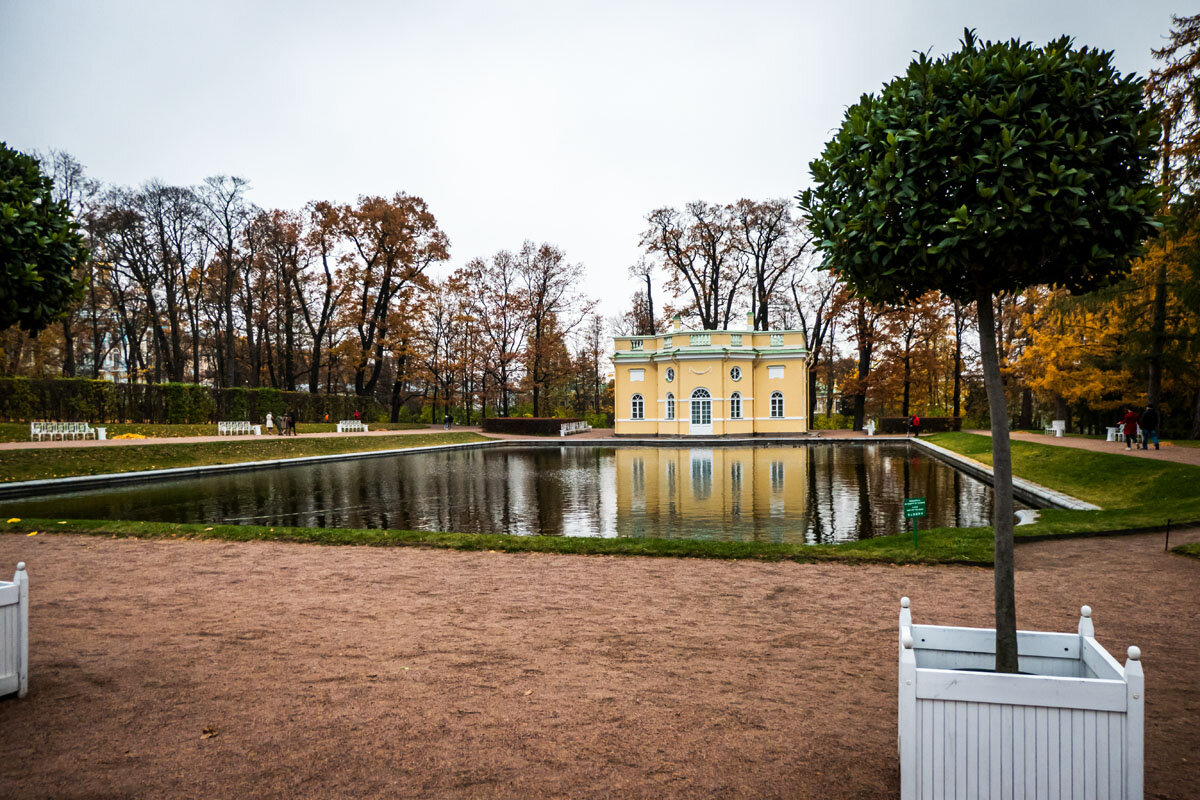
[(928, 424), (529, 426)]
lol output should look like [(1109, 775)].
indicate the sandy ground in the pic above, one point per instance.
[(209, 669)]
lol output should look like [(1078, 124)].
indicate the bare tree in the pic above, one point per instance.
[(548, 283)]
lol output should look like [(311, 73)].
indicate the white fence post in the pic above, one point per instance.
[(1135, 688), (22, 581), (907, 718)]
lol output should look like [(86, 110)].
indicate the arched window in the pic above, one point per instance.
[(670, 405), (735, 405), (777, 405), (637, 407)]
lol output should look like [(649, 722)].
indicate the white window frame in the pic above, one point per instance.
[(735, 405), (735, 373), (637, 407), (776, 405), (670, 376), (670, 405)]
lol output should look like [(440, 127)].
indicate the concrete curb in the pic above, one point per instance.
[(1027, 491)]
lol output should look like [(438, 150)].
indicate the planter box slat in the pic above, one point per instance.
[(1072, 729), (14, 634), (1052, 691), (982, 640)]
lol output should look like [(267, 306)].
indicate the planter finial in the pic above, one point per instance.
[(1086, 611), (1135, 654), (20, 566), (904, 602)]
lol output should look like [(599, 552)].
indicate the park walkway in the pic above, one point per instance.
[(1169, 452)]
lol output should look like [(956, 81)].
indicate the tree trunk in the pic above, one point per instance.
[(1026, 420), (1062, 410), (1158, 334), (1195, 432), (68, 366), (958, 362), (1002, 520)]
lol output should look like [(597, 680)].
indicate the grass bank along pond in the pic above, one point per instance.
[(802, 493)]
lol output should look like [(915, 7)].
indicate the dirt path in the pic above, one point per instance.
[(330, 672), (1169, 452)]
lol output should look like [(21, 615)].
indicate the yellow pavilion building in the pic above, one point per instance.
[(711, 383)]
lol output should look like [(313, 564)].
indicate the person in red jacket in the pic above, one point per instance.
[(1129, 427)]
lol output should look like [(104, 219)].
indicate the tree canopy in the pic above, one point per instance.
[(1000, 166), (39, 246)]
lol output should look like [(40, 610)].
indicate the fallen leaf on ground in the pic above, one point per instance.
[(15, 519), (528, 692), (208, 733), (208, 529), (62, 522), (32, 534)]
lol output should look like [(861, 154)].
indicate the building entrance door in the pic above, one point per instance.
[(701, 413)]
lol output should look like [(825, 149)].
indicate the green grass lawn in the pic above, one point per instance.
[(948, 546), (19, 431), (1192, 549), (1133, 492), (62, 462)]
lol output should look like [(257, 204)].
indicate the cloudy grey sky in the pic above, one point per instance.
[(555, 121)]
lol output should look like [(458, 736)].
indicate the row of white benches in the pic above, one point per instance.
[(567, 428), (39, 431)]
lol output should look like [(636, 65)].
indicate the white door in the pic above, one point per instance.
[(701, 413)]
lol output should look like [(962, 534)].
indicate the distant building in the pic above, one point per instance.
[(711, 383)]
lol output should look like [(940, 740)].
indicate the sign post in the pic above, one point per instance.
[(914, 508)]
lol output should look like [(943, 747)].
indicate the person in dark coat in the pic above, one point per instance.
[(1149, 423), (447, 420), (1129, 426)]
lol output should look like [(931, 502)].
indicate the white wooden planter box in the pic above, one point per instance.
[(14, 634), (1069, 728)]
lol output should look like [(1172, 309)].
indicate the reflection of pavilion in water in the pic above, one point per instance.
[(666, 492), (788, 494)]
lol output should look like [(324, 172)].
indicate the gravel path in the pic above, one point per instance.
[(210, 669)]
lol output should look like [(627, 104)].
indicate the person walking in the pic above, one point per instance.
[(447, 420), (1129, 425), (915, 423), (357, 416), (270, 422), (1149, 423)]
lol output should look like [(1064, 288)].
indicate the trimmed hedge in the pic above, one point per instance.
[(928, 424), (80, 399), (527, 425)]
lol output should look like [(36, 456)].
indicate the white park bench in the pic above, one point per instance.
[(567, 428), (14, 634), (352, 426), (1058, 427), (39, 431), (236, 428)]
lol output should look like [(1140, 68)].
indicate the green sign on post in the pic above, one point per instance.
[(914, 508)]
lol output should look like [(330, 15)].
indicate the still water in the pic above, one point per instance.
[(808, 493)]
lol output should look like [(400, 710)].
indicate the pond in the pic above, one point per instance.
[(803, 493)]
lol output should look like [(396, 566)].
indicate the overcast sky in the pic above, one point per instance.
[(553, 121)]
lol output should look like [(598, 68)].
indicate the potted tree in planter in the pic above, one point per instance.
[(998, 167)]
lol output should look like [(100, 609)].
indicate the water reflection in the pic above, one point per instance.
[(804, 493)]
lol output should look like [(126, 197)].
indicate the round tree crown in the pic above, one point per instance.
[(997, 167)]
